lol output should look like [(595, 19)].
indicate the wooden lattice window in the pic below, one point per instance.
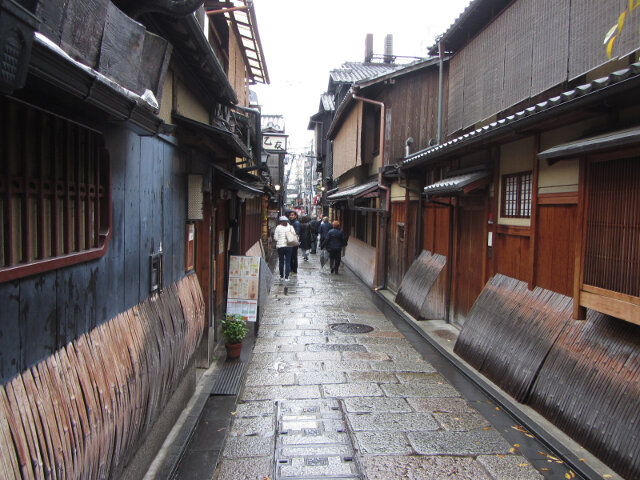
[(516, 195), (612, 250), (55, 202)]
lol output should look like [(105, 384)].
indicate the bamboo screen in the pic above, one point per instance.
[(347, 144), (550, 44), (590, 22), (531, 47), (612, 252)]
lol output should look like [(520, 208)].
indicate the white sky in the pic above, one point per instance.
[(303, 40)]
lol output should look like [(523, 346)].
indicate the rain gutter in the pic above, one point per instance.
[(440, 92)]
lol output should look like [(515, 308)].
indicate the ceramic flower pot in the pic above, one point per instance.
[(233, 350)]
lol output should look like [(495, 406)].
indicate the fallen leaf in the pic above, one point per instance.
[(516, 445), (523, 464)]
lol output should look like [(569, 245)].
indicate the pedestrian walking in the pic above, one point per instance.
[(314, 224), (305, 237), (284, 251), (293, 219), (323, 229), (333, 242)]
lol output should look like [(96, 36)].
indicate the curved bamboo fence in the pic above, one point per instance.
[(84, 411)]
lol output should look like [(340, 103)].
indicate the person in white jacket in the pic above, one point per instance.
[(284, 251)]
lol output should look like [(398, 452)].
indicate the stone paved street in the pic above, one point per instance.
[(320, 403)]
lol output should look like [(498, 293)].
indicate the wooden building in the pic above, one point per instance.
[(127, 156), (530, 213)]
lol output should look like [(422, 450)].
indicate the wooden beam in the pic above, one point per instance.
[(534, 214), (611, 304), (579, 311)]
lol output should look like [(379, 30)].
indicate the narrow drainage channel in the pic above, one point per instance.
[(553, 461), (312, 441)]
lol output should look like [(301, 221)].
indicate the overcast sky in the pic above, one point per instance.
[(304, 40)]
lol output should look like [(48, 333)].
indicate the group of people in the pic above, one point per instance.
[(306, 231)]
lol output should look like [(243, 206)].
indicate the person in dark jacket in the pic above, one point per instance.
[(305, 237), (334, 241), (293, 220), (314, 224), (324, 228)]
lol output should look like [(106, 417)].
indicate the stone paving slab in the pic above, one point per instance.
[(478, 442), (390, 422), (509, 467), (421, 468)]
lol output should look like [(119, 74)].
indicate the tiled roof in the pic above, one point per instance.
[(351, 72), (583, 91), (353, 191), (455, 184), (327, 103)]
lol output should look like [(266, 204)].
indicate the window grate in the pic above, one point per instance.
[(516, 195), (55, 206)]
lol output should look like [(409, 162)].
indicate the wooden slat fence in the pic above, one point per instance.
[(82, 412), (420, 292), (584, 376)]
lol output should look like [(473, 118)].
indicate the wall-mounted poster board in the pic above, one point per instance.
[(244, 284)]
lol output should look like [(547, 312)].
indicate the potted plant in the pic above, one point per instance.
[(234, 329)]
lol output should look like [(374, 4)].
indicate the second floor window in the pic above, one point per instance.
[(516, 195)]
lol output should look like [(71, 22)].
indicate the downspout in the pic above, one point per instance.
[(440, 86), (381, 244)]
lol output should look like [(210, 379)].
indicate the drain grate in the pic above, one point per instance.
[(351, 328), (312, 442), (230, 379)]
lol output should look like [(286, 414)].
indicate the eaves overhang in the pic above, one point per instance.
[(193, 51), (357, 191), (226, 137), (234, 183), (389, 77), (243, 20), (579, 97), (52, 65), (472, 20), (616, 139), (458, 184)]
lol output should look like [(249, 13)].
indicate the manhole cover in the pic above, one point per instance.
[(351, 328)]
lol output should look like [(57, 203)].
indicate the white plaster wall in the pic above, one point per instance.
[(361, 259)]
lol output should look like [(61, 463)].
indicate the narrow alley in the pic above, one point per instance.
[(338, 386)]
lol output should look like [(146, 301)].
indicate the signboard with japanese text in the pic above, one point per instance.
[(274, 143), (244, 284)]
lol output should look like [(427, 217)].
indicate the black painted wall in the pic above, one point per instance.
[(42, 313)]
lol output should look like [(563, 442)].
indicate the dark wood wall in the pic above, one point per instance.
[(43, 313), (511, 252), (402, 241), (412, 111), (556, 246)]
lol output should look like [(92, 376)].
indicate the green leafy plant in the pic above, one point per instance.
[(234, 328)]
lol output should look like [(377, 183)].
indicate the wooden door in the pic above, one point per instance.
[(468, 276), (396, 246)]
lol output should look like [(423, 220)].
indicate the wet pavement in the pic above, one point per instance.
[(335, 389)]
